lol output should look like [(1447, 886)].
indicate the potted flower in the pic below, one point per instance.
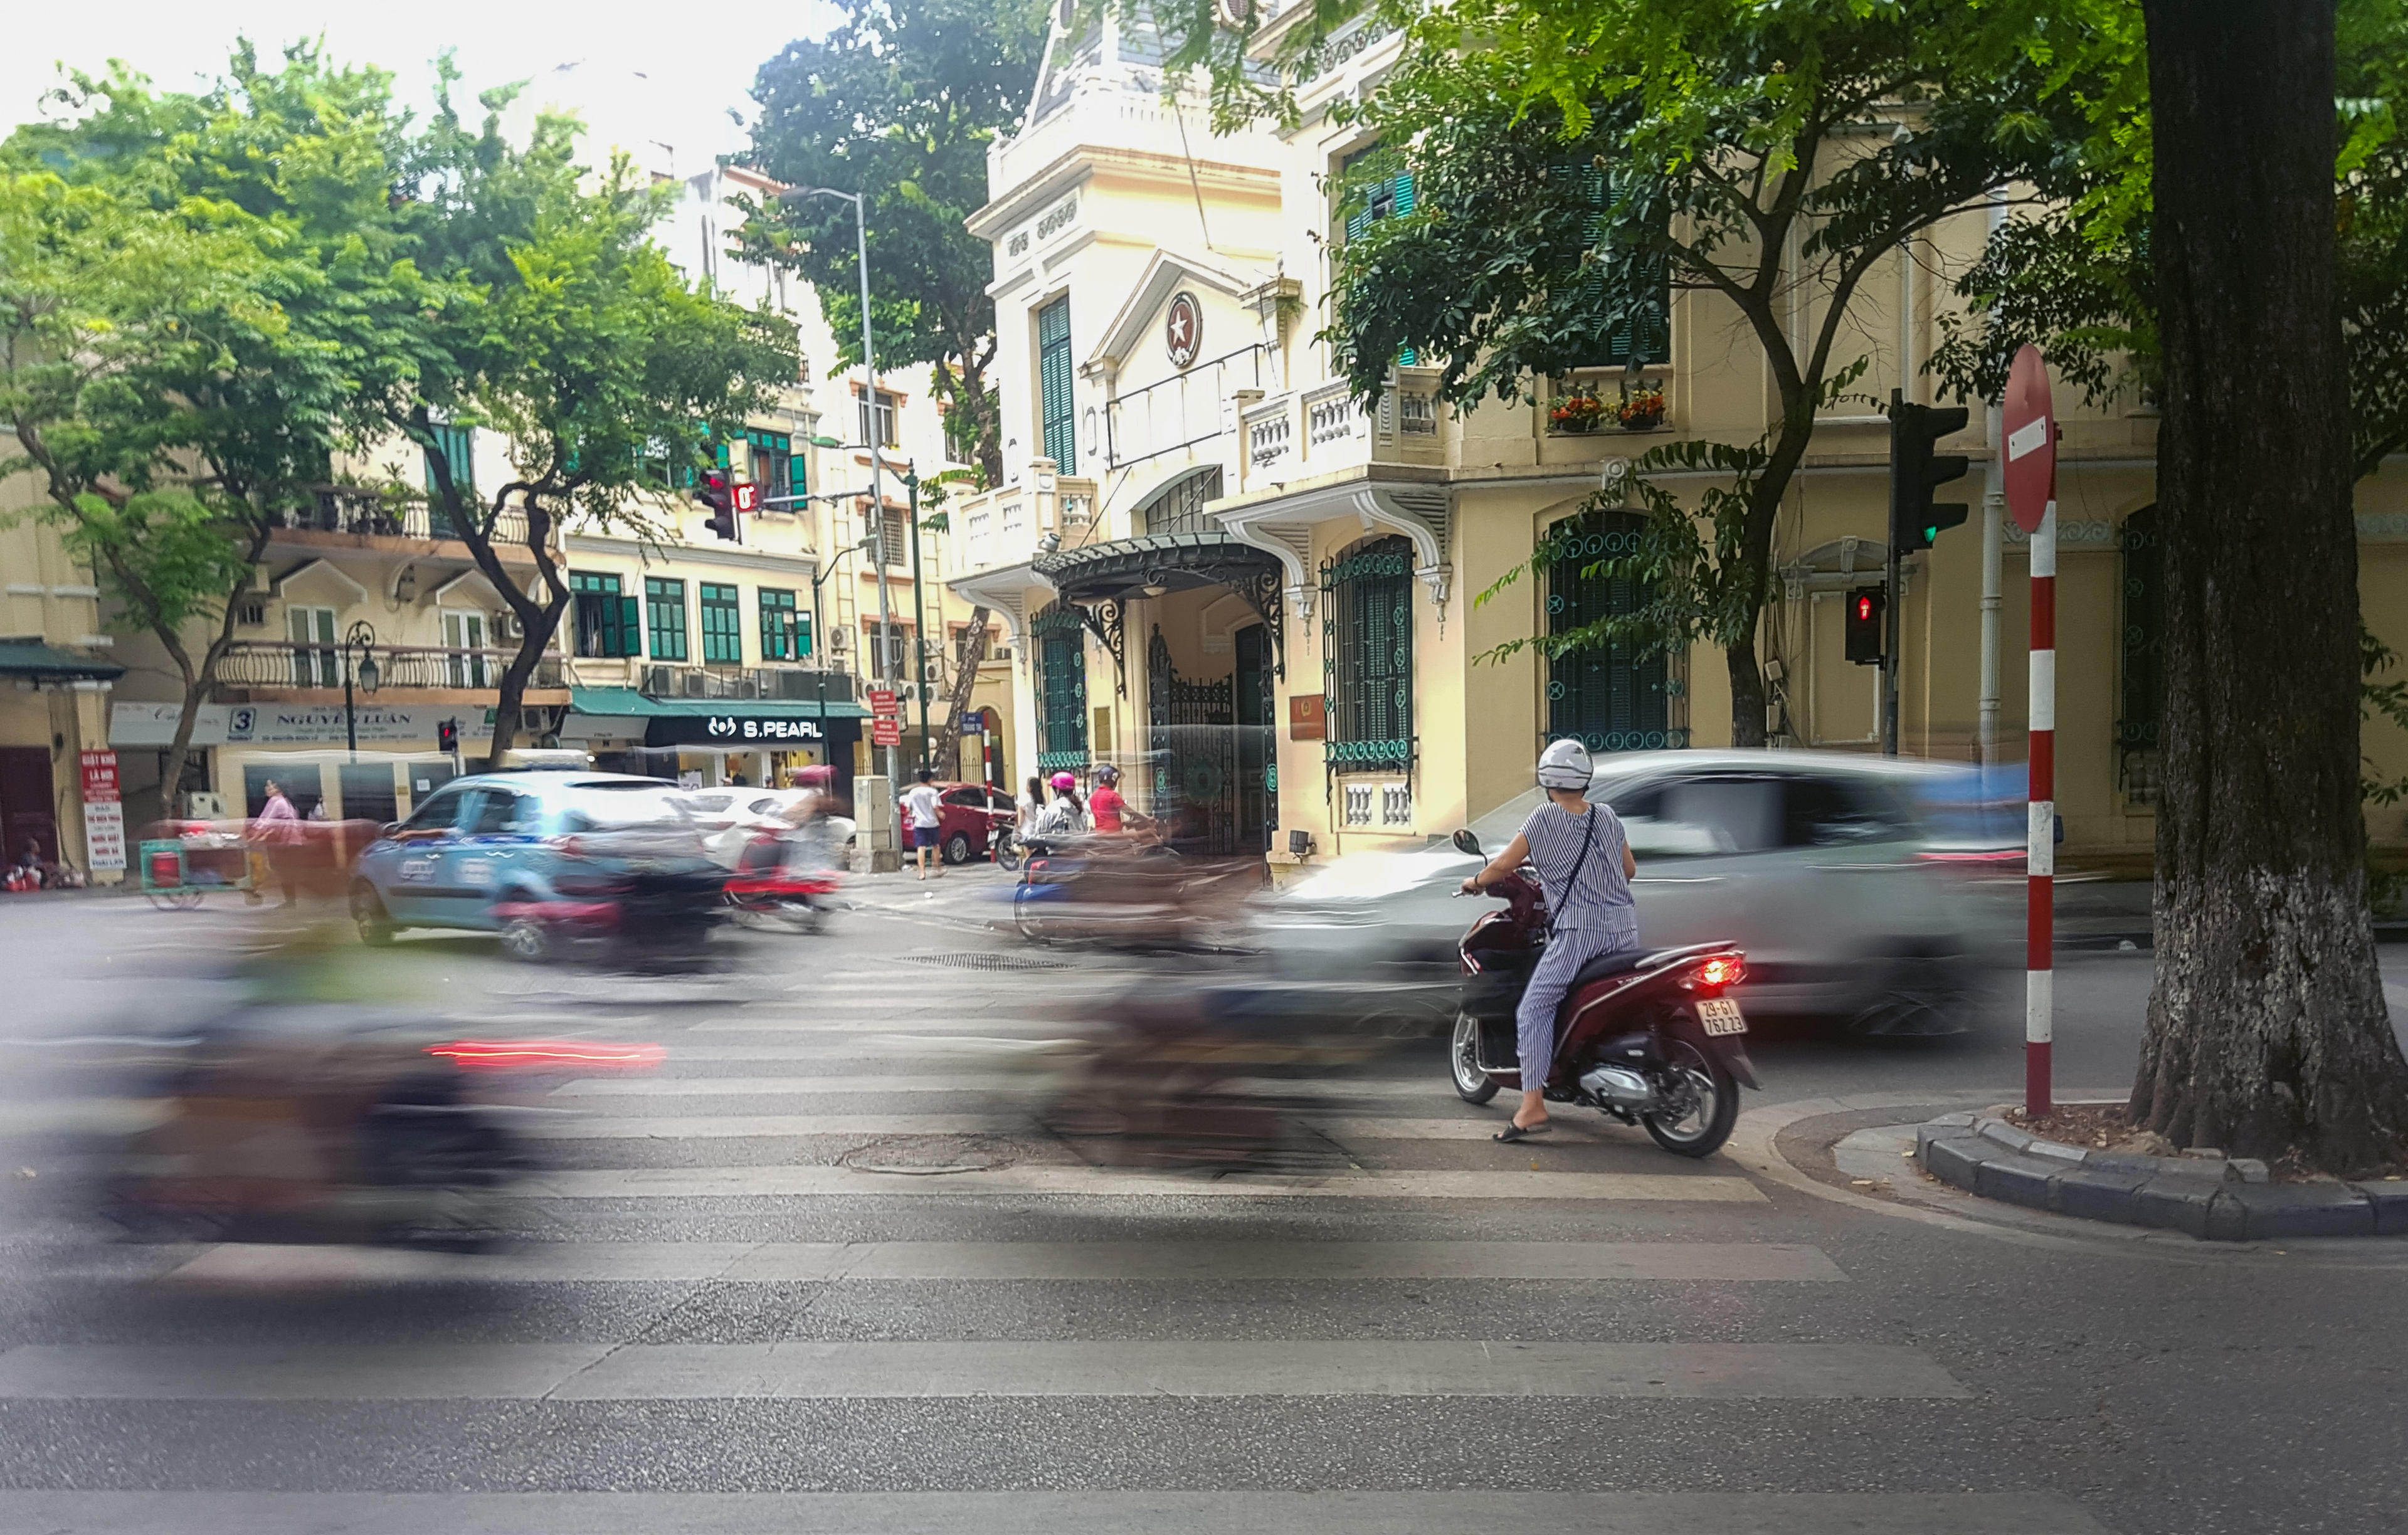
[(1579, 411), (1642, 410)]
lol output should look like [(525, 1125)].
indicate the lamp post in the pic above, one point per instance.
[(869, 369), (358, 638), (819, 637)]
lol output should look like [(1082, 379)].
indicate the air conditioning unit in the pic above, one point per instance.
[(506, 627), (840, 638), (660, 681), (203, 805)]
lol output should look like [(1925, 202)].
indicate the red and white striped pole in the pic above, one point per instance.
[(2040, 858)]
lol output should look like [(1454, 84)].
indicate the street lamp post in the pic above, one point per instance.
[(877, 492), (819, 639), (358, 639)]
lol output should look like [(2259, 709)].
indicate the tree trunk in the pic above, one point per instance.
[(2266, 1031), (1746, 692), (510, 693)]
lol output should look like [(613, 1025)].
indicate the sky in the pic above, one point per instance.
[(656, 81)]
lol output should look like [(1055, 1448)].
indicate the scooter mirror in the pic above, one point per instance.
[(1465, 843)]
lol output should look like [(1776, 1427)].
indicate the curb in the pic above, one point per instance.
[(2209, 1197)]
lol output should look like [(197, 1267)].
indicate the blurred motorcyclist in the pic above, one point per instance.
[(1585, 865)]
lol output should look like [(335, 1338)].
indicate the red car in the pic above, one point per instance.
[(968, 815)]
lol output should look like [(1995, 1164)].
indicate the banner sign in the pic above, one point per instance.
[(290, 725), (104, 817), (739, 732)]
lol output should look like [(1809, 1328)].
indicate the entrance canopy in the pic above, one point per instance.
[(1159, 563)]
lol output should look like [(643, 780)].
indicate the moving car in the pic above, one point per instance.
[(542, 858), (729, 818), (1821, 865)]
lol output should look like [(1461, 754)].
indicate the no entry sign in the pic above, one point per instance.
[(2029, 453)]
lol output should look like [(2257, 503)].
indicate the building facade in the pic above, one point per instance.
[(57, 670), (1216, 566)]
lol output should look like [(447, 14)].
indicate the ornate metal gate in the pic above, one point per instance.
[(1193, 743), (1062, 687)]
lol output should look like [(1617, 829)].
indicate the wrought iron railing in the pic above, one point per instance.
[(258, 664), (355, 508), (798, 683)]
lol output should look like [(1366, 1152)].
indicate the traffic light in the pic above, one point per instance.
[(446, 737), (1915, 471), (1864, 606), (719, 497)]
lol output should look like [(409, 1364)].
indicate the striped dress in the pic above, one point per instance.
[(1594, 914)]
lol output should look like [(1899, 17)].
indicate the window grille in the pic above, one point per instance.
[(1367, 656), (1608, 698)]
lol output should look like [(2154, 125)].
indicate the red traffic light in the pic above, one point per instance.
[(1864, 609)]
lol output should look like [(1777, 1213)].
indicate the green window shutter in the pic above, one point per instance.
[(1054, 380), (1404, 185), (779, 632), (664, 610), (723, 632), (626, 642)]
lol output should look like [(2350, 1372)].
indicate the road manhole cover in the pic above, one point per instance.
[(927, 1156), (987, 962)]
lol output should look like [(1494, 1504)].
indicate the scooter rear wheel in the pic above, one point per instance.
[(1471, 1085), (1713, 1114)]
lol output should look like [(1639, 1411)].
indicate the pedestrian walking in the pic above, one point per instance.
[(919, 803), (1585, 865), (277, 830)]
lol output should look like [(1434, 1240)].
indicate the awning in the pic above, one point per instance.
[(626, 701), (1174, 562), (32, 658)]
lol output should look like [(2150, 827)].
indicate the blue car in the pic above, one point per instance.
[(549, 861)]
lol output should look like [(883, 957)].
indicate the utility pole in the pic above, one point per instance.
[(919, 613)]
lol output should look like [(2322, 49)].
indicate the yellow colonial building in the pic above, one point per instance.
[(1217, 568)]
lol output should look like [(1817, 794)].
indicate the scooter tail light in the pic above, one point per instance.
[(1722, 971)]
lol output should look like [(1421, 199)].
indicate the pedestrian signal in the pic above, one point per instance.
[(1864, 606)]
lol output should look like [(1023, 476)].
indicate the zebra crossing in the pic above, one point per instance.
[(1026, 1308)]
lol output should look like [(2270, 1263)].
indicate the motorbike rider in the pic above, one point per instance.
[(1585, 865), (1065, 815), (1104, 804)]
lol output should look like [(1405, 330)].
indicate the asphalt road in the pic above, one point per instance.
[(755, 1305)]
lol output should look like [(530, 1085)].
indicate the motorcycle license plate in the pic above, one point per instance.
[(1721, 1017)]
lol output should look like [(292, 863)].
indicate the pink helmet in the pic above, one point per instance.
[(1066, 779)]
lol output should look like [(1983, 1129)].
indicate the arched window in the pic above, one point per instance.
[(1606, 696), (1179, 507), (2142, 695), (1061, 687), (1366, 630)]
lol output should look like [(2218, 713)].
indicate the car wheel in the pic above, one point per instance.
[(957, 847), (527, 940), (1918, 997), (1471, 1085), (368, 910)]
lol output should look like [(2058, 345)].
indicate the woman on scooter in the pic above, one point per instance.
[(1585, 865)]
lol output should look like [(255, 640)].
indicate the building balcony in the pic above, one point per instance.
[(1322, 430), (1008, 525), (357, 517), (660, 679), (283, 672)]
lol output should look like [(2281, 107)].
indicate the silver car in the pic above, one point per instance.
[(1821, 865)]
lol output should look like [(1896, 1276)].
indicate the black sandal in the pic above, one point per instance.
[(1512, 1132)]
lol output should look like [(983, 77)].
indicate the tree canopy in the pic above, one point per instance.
[(900, 102)]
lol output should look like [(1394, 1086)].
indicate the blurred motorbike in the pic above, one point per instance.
[(779, 881), (1646, 1037), (316, 1124)]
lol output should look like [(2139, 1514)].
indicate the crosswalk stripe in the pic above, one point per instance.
[(788, 1263), (708, 1127), (1081, 1512), (825, 1370), (889, 1083), (791, 1182)]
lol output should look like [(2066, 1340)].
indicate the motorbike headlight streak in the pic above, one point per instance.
[(585, 1055)]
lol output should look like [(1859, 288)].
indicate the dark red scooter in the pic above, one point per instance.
[(1645, 1036)]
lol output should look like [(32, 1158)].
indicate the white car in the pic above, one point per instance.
[(1823, 866)]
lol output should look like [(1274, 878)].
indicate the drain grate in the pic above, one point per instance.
[(987, 962)]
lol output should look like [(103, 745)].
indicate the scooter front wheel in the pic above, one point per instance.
[(1471, 1085), (1700, 1125)]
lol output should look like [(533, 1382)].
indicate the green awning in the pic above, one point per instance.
[(32, 658), (628, 703)]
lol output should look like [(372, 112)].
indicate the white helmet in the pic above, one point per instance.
[(1564, 764)]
